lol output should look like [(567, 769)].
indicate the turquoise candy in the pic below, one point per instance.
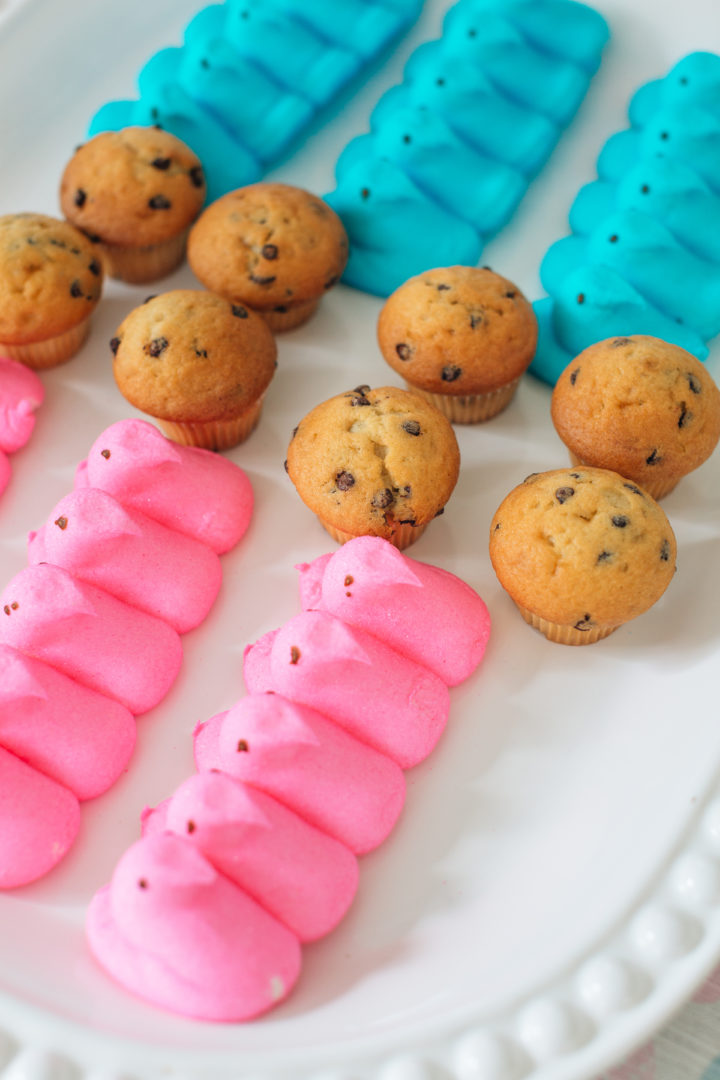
[(381, 208)]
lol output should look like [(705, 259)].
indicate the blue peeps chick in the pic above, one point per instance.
[(669, 191), (395, 230), (361, 26), (476, 111), (694, 80), (691, 134), (523, 73), (562, 28), (288, 50), (594, 303), (471, 185)]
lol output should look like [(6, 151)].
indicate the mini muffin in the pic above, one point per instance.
[(581, 552), (197, 364), (274, 247), (135, 192), (374, 463), (50, 282), (646, 409), (460, 336)]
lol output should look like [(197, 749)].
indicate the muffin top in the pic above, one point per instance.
[(368, 460), (640, 406), (268, 245), (50, 278), (458, 330), (583, 547), (135, 187), (188, 355)]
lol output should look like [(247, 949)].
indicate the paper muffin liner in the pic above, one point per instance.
[(564, 635), (213, 434), (51, 352), (296, 315), (140, 265), (657, 489), (403, 536), (470, 408)]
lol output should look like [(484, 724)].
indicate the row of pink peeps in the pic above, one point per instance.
[(90, 629), (21, 394), (256, 853)]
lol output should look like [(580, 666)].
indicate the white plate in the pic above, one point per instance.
[(552, 891)]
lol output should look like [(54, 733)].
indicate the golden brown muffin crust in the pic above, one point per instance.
[(50, 277), (269, 245), (134, 188), (188, 355), (368, 460), (458, 330), (582, 547)]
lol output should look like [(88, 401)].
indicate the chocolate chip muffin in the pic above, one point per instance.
[(638, 405), (135, 192), (374, 463), (581, 552), (461, 336), (197, 364), (50, 282), (273, 247)]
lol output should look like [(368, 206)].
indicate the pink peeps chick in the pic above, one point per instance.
[(21, 393), (425, 613), (90, 636), (201, 494), (395, 705), (174, 931), (74, 735), (39, 819), (303, 877), (310, 764), (156, 569)]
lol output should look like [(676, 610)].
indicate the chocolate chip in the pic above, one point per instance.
[(156, 346), (94, 267), (76, 288), (685, 415), (581, 298), (382, 499), (281, 308), (191, 826), (344, 480), (412, 427), (619, 342), (162, 163), (147, 299), (270, 251), (294, 654), (257, 280), (408, 521), (61, 522), (604, 556), (450, 373), (357, 397), (239, 311), (585, 623), (442, 287), (511, 294), (665, 551), (475, 320), (653, 458), (92, 237), (634, 488), (362, 389), (242, 747), (285, 465), (114, 344), (294, 431), (365, 193), (562, 494), (159, 202), (80, 197), (695, 384), (620, 521), (202, 353), (196, 176), (440, 511), (105, 454), (497, 526), (530, 476), (404, 351), (405, 492), (573, 376), (331, 281), (575, 475)]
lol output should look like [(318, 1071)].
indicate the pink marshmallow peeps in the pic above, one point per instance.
[(196, 492), (89, 635), (74, 735), (307, 762), (425, 613), (300, 875), (39, 820), (174, 931), (395, 705), (21, 393), (156, 569)]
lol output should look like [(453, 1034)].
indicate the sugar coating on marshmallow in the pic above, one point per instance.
[(309, 763), (90, 636), (21, 393), (395, 705), (300, 875), (194, 491), (156, 569), (39, 820), (174, 931), (76, 736), (427, 614)]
